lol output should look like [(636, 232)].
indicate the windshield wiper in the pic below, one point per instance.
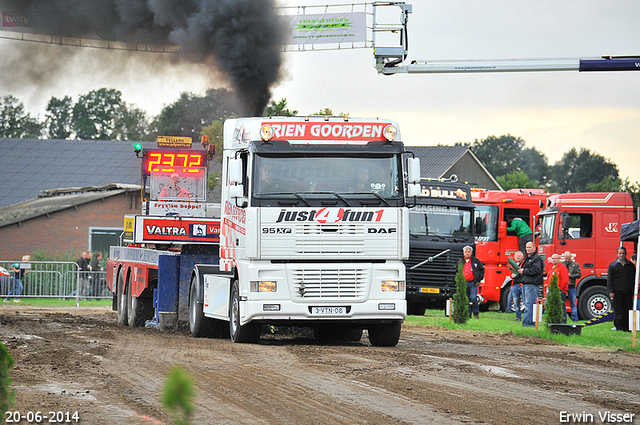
[(377, 196)]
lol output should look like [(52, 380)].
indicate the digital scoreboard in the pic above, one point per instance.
[(183, 162)]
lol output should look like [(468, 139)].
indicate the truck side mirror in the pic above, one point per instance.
[(502, 230), (566, 222), (413, 170), (236, 191), (235, 170), (480, 227), (413, 190)]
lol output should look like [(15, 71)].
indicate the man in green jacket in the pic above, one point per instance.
[(522, 230)]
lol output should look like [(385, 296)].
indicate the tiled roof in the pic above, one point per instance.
[(436, 160), (30, 166), (23, 211)]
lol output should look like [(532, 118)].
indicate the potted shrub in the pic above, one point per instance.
[(554, 316), (460, 300)]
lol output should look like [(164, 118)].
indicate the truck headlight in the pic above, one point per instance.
[(392, 286), (264, 286), (390, 132)]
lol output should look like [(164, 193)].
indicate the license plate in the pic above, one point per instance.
[(430, 290), (328, 311)]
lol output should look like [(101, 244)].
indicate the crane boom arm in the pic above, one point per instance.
[(607, 63), (393, 59)]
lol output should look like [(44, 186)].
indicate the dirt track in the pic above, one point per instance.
[(78, 359)]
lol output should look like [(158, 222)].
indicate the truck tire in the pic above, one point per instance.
[(121, 300), (249, 333), (504, 297), (593, 302), (385, 335), (199, 325), (139, 309)]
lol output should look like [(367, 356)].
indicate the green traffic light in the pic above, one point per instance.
[(137, 148)]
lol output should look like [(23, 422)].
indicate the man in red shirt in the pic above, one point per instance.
[(556, 268), (473, 273)]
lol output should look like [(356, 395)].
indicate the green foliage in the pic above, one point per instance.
[(279, 109), (95, 114), (517, 180), (14, 123), (497, 323), (190, 114), (577, 169), (178, 393), (58, 120), (7, 395), (553, 309), (460, 299)]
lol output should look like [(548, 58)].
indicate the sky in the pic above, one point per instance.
[(551, 111)]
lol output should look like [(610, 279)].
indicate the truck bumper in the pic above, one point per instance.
[(291, 313)]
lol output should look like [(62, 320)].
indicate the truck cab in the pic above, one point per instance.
[(494, 244), (587, 225), (440, 224)]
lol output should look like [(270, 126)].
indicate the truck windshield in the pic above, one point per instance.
[(546, 232), (337, 176), (432, 220), (489, 215)]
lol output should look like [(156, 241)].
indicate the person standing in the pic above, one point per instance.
[(556, 268), (18, 274), (531, 277), (621, 277), (574, 274), (515, 294), (83, 275), (96, 270), (473, 273), (522, 230)]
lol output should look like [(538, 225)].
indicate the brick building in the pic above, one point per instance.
[(67, 221)]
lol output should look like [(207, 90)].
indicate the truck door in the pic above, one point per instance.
[(579, 238)]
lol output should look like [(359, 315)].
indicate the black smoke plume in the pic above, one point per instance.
[(241, 37)]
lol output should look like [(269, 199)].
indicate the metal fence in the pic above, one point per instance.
[(52, 279)]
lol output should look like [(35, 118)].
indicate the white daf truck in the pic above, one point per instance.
[(313, 230)]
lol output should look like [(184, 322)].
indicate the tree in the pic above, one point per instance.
[(58, 120), (460, 299), (507, 155), (279, 109), (517, 180), (95, 114), (178, 394), (577, 169), (131, 124), (14, 122), (191, 113), (554, 306)]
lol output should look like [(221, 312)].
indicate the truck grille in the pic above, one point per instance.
[(330, 239), (438, 273), (329, 283)]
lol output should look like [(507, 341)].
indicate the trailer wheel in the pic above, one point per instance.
[(594, 302), (198, 324), (386, 334), (248, 333), (139, 309), (121, 300), (415, 309)]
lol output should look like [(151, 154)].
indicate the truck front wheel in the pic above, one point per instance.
[(248, 333), (121, 300), (198, 324), (594, 302), (386, 334)]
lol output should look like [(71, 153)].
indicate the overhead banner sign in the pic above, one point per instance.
[(328, 28)]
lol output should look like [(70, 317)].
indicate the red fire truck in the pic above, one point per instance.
[(587, 225), (494, 245)]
